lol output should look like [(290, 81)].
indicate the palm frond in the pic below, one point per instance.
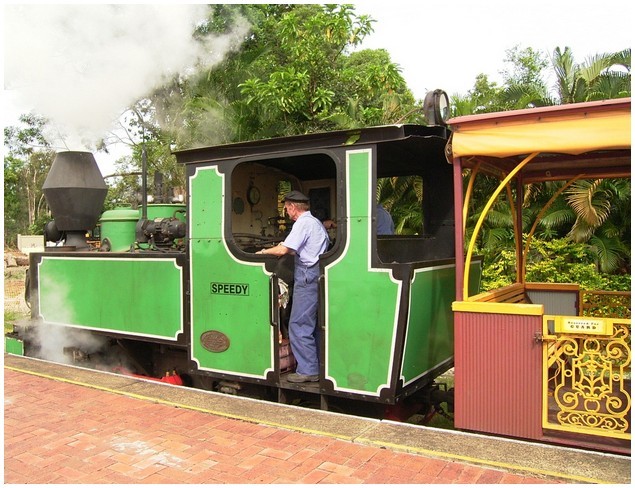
[(565, 69), (609, 252), (623, 59), (556, 218), (495, 239), (594, 66), (589, 204), (581, 231)]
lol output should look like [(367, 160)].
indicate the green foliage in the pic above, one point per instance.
[(306, 81), (480, 99), (554, 261), (15, 212), (402, 197), (602, 209), (294, 74), (524, 85), (594, 212), (600, 77), (375, 86), (527, 66), (26, 164)]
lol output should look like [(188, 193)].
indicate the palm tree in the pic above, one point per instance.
[(602, 210), (602, 207), (594, 212), (602, 76)]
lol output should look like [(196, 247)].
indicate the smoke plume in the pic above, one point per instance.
[(81, 65)]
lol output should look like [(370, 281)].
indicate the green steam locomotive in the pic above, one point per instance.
[(178, 287)]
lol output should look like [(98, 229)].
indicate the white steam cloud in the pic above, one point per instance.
[(52, 339), (81, 65)]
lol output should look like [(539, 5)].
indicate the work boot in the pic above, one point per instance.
[(302, 378)]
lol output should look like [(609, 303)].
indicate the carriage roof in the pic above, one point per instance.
[(592, 138)]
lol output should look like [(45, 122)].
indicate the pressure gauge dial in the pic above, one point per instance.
[(253, 195)]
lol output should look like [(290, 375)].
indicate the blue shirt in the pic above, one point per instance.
[(385, 225), (308, 238)]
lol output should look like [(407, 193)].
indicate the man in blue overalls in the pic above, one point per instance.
[(307, 240)]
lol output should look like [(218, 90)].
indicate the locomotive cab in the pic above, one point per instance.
[(384, 321)]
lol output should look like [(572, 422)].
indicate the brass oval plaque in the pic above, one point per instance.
[(214, 341)]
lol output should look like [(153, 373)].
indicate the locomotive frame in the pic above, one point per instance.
[(214, 311)]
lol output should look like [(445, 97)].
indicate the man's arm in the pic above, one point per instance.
[(279, 250)]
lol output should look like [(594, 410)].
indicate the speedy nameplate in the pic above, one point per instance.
[(237, 289)]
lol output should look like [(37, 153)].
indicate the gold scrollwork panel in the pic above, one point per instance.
[(587, 387)]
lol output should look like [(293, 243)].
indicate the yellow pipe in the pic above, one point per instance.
[(468, 194), (470, 249), (512, 209)]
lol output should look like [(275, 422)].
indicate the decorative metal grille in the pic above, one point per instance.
[(589, 382)]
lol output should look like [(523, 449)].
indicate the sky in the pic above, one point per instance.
[(446, 44), (80, 64)]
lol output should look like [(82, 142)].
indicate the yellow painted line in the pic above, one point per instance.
[(473, 460), (360, 440), (181, 405)]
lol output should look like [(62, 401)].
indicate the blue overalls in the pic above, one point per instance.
[(308, 238)]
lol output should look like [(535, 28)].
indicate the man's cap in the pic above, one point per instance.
[(295, 196)]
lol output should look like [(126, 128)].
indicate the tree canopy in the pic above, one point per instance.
[(27, 160), (299, 69)]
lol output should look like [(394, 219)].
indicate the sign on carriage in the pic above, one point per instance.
[(582, 325)]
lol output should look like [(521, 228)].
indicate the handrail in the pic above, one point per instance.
[(615, 304), (468, 193)]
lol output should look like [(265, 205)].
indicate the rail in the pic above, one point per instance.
[(508, 294), (510, 299), (615, 304)]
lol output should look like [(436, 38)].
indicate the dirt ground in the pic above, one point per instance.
[(15, 266)]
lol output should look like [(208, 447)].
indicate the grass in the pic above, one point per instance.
[(13, 293), (10, 316)]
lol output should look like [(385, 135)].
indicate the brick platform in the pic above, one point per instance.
[(57, 432)]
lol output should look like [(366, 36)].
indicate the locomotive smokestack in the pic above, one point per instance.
[(75, 191)]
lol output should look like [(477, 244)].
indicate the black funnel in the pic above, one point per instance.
[(75, 191)]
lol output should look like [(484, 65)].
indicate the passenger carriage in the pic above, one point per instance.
[(536, 360)]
